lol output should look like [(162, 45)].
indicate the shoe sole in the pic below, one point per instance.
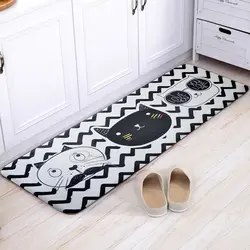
[(155, 216), (178, 211)]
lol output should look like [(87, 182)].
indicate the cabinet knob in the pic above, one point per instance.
[(1, 63)]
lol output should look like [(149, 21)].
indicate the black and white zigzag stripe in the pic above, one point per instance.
[(125, 160)]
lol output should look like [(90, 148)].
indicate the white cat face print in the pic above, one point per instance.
[(71, 166), (190, 92)]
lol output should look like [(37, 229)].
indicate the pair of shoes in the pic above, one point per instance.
[(158, 193)]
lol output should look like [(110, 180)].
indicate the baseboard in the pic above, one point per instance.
[(37, 140)]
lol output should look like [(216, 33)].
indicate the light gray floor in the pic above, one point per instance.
[(218, 154)]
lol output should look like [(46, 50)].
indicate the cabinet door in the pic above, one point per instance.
[(39, 85), (166, 31), (106, 46)]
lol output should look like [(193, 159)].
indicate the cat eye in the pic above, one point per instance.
[(118, 133), (54, 172), (79, 157), (148, 113)]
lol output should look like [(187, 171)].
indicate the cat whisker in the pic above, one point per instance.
[(127, 136)]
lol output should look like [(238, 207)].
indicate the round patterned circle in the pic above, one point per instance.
[(199, 84), (178, 97)]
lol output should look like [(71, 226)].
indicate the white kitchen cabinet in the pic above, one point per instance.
[(112, 44), (56, 54), (106, 47), (38, 87), (165, 31)]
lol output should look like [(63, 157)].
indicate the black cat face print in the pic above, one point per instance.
[(190, 92), (71, 166), (139, 128)]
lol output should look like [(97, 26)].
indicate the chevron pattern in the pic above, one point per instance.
[(123, 161)]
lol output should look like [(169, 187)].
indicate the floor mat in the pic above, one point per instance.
[(79, 166)]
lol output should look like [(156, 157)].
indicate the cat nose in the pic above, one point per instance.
[(139, 127), (197, 94), (73, 168)]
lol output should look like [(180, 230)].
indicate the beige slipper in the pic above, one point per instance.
[(150, 190), (178, 190)]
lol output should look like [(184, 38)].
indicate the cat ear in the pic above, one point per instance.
[(65, 148), (143, 107), (102, 131), (39, 164)]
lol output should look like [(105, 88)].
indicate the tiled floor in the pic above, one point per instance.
[(219, 218)]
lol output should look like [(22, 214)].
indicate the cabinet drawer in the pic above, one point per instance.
[(235, 8), (223, 43)]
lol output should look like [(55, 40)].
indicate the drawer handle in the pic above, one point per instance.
[(228, 32), (143, 5), (134, 8), (1, 63)]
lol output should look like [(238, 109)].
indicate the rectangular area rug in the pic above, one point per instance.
[(79, 166)]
